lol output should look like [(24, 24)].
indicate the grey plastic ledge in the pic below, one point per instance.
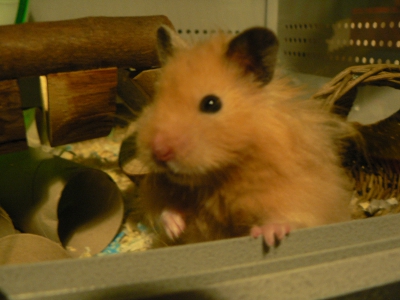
[(354, 260)]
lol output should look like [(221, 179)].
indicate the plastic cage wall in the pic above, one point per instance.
[(325, 37)]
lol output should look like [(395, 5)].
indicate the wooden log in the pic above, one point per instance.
[(146, 80), (81, 105), (12, 127), (137, 89), (34, 49)]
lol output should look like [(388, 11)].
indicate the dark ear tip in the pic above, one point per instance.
[(253, 39), (262, 35), (162, 32), (255, 50)]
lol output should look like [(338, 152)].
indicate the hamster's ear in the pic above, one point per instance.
[(167, 41), (255, 50)]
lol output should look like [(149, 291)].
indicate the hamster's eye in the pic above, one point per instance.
[(210, 104)]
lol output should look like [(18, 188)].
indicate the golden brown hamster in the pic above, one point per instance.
[(231, 149)]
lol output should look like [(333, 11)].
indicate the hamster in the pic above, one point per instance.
[(231, 149)]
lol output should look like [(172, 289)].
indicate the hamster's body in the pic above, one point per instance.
[(231, 151)]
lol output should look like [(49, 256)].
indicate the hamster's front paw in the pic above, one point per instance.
[(273, 233), (173, 223)]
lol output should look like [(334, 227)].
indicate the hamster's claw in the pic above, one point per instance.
[(272, 232), (173, 223)]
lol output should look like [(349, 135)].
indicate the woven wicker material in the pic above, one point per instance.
[(375, 168), (344, 82)]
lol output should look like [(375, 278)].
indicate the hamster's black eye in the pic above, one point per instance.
[(210, 104)]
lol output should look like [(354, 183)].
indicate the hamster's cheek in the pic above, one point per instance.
[(192, 159), (186, 163), (143, 148), (200, 161), (144, 154)]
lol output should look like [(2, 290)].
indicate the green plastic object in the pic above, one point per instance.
[(22, 16), (22, 13)]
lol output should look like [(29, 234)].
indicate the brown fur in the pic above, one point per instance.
[(265, 157)]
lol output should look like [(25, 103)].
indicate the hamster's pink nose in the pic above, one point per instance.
[(162, 151)]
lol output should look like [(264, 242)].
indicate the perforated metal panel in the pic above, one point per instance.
[(191, 18), (325, 37)]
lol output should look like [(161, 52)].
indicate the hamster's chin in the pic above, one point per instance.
[(187, 179), (182, 176)]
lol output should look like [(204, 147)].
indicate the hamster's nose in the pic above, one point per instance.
[(162, 151)]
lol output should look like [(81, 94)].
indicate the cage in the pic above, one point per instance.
[(352, 260)]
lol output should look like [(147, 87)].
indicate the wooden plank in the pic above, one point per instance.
[(81, 105), (34, 49), (12, 127)]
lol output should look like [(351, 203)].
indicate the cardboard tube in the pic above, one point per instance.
[(79, 207), (6, 225), (29, 248)]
